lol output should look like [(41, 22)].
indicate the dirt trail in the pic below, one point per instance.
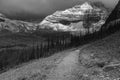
[(56, 67), (65, 67)]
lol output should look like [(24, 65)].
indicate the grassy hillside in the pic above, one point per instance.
[(102, 58)]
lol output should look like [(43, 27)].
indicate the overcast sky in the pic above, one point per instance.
[(30, 8)]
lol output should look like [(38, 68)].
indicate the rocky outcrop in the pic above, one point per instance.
[(80, 18), (2, 18)]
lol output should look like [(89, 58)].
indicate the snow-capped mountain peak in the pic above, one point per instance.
[(86, 6), (76, 19), (78, 9)]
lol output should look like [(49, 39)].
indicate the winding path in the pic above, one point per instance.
[(65, 67)]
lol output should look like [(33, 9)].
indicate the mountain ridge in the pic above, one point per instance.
[(75, 19), (72, 19), (16, 25)]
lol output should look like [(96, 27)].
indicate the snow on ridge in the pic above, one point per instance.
[(74, 19)]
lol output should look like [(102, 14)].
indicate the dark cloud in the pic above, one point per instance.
[(37, 8)]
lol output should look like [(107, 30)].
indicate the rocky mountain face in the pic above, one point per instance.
[(16, 25), (80, 18), (115, 14)]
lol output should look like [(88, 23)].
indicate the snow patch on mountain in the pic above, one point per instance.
[(81, 18), (16, 25)]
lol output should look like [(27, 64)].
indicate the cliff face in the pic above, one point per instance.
[(79, 18), (115, 14)]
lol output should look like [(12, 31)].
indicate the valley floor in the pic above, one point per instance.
[(99, 60)]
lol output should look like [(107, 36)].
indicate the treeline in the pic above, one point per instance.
[(54, 42), (10, 57)]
